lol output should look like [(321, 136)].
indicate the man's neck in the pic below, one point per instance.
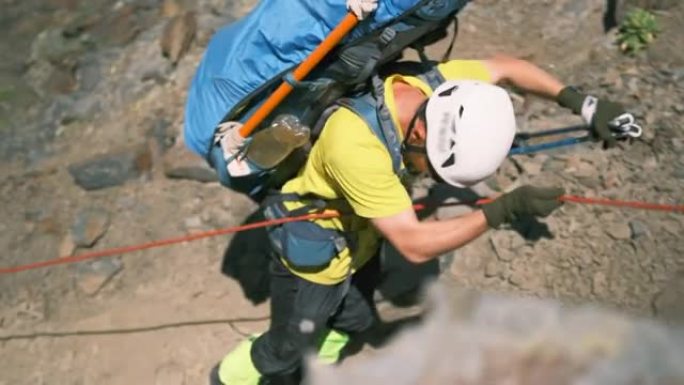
[(407, 99)]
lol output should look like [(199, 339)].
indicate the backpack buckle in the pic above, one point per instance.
[(387, 35)]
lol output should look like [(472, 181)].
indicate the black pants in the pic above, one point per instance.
[(301, 311)]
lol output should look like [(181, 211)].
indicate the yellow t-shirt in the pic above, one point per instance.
[(349, 162)]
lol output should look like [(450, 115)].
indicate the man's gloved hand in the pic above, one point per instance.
[(596, 113), (362, 8), (523, 201)]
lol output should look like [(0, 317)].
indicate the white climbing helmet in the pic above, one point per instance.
[(470, 130)]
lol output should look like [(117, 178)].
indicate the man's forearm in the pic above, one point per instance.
[(524, 75), (423, 241), (434, 238)]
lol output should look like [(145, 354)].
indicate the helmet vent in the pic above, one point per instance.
[(460, 111), (451, 160), (448, 92)]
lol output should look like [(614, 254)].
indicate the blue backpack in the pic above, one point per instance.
[(245, 61)]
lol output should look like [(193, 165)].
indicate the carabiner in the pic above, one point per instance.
[(625, 125)]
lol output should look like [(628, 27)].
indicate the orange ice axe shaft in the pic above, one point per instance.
[(304, 68)]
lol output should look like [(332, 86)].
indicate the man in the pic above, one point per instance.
[(459, 133)]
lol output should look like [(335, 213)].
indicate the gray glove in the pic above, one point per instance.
[(523, 201), (597, 113)]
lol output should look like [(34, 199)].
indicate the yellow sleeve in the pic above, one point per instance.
[(465, 70), (360, 167)]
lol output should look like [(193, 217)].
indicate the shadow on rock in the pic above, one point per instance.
[(402, 281), (248, 255), (444, 195), (610, 15), (668, 303), (247, 258), (531, 229)]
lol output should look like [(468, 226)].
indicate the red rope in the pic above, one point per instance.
[(619, 203), (160, 243), (327, 214)]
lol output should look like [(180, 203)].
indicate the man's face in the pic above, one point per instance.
[(415, 154)]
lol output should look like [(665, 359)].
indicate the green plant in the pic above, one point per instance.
[(638, 30)]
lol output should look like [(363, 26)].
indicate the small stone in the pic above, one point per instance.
[(471, 261), (672, 227), (119, 27), (178, 35), (112, 169), (650, 163), (554, 165), (638, 229), (206, 216), (32, 310), (53, 47), (193, 223), (180, 163), (525, 279), (599, 284), (89, 226), (61, 81), (610, 180), (532, 167), (516, 280), (37, 214), (493, 269), (585, 259), (619, 231), (40, 78), (93, 276), (591, 182), (171, 8), (612, 79), (633, 86), (501, 244), (161, 133), (67, 246)]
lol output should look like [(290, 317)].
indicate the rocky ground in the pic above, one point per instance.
[(492, 339), (91, 108)]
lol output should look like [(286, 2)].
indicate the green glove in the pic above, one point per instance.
[(523, 201), (596, 113)]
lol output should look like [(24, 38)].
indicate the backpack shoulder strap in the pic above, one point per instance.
[(371, 107), (432, 77), (366, 106)]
